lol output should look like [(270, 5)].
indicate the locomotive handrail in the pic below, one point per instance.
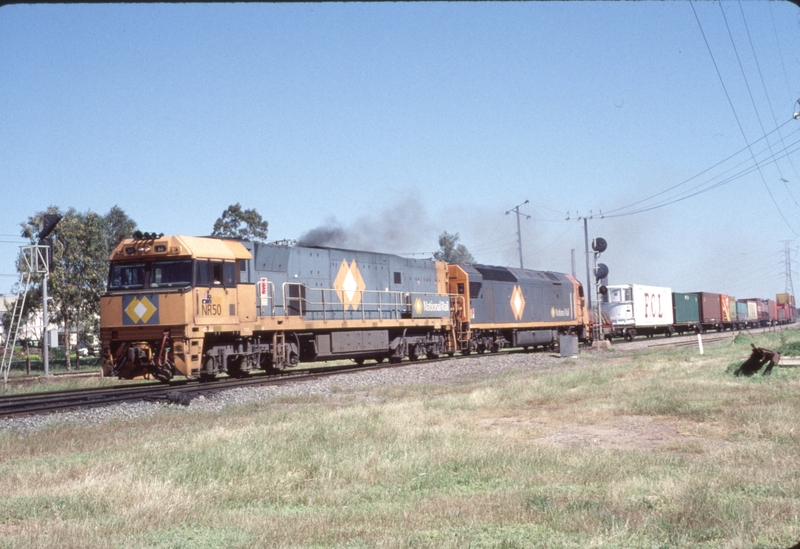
[(326, 305), (270, 299)]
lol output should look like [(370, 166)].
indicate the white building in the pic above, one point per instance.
[(32, 330)]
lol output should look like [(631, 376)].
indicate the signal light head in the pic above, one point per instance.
[(599, 245)]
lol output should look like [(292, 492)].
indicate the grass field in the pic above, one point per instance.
[(658, 449)]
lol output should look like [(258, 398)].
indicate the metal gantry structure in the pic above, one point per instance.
[(34, 262), (787, 262)]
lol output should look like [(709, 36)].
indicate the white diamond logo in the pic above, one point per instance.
[(350, 286), (140, 310)]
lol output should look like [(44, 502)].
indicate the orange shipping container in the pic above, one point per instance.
[(725, 305)]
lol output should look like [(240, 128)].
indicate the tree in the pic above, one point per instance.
[(118, 227), (82, 243), (241, 224), (450, 251)]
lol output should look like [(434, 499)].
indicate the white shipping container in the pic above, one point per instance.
[(635, 305), (752, 311)]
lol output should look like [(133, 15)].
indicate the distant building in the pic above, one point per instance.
[(30, 331)]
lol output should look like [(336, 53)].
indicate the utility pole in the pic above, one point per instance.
[(519, 230)]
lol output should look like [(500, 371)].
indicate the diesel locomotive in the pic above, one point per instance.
[(198, 307)]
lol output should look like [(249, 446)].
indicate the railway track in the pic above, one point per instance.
[(178, 392), (713, 337), (183, 391)]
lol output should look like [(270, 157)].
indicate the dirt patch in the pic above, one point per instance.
[(616, 433), (630, 432)]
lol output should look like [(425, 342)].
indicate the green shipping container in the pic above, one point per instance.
[(686, 308)]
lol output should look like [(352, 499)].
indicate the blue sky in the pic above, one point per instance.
[(396, 121)]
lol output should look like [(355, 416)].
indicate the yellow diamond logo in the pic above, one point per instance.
[(140, 310), (418, 306), (517, 303), (349, 285)]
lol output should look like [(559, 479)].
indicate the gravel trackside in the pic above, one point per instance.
[(449, 371)]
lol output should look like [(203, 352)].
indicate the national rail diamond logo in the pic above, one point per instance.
[(140, 310), (418, 306), (349, 285), (517, 303)]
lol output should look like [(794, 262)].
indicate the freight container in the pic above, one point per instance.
[(710, 310), (741, 313), (728, 316), (783, 313), (637, 309), (753, 311), (769, 312), (686, 312), (787, 304)]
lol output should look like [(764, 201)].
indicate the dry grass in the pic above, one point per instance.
[(664, 449)]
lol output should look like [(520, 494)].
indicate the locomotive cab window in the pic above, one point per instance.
[(201, 273), (398, 278), (170, 274), (126, 277), (214, 273)]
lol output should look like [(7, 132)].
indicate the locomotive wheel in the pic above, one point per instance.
[(235, 367), (359, 361)]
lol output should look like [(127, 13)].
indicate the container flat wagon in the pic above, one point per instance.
[(686, 311), (787, 310), (710, 311), (753, 317), (636, 309)]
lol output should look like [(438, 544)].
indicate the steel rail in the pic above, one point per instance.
[(27, 404)]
